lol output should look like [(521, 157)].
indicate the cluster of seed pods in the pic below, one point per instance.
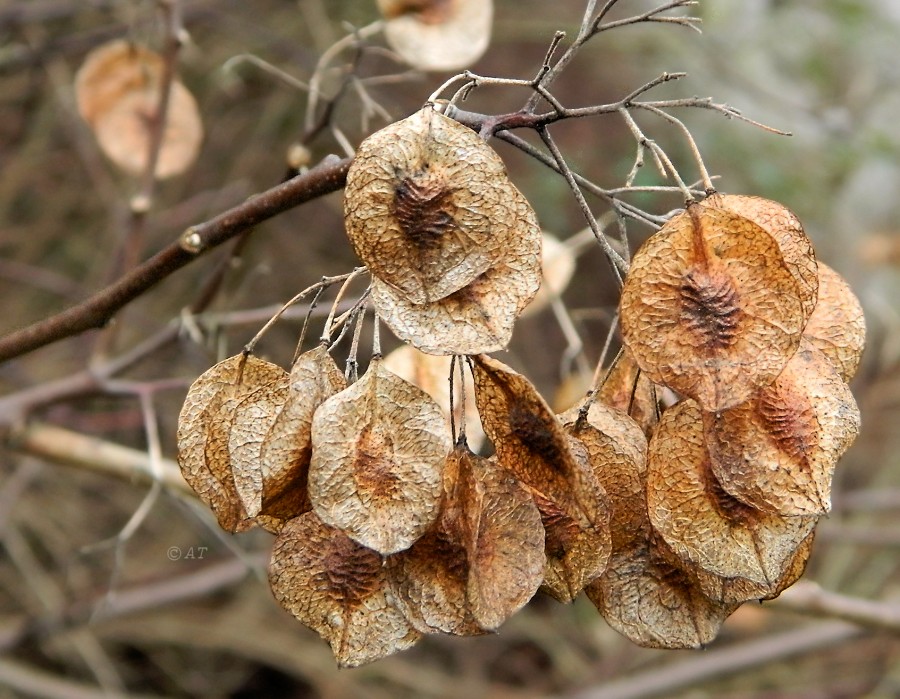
[(390, 526)]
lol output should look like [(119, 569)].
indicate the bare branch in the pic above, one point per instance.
[(97, 310)]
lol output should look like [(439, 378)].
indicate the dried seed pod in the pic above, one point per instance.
[(475, 319), (438, 34), (641, 594), (271, 437), (576, 554), (338, 589), (118, 92), (783, 225), (739, 590), (429, 208), (837, 326), (702, 523), (252, 419), (480, 562), (204, 425), (378, 448), (557, 268), (627, 388), (777, 453), (431, 373), (653, 602), (530, 443), (710, 309)]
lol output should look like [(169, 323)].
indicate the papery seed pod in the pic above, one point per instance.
[(557, 268), (438, 34), (641, 593), (204, 425), (378, 448), (529, 439), (739, 590), (429, 208), (576, 554), (627, 388), (475, 319), (480, 562), (777, 452), (783, 225), (271, 441), (531, 444), (337, 588), (118, 89), (709, 307), (837, 326), (252, 419), (702, 523), (431, 373)]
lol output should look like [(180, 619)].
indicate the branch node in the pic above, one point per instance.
[(191, 241)]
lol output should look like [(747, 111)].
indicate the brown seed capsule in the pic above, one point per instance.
[(781, 223), (777, 452), (641, 594), (837, 326), (431, 373), (118, 91), (339, 589), (702, 523), (429, 208), (627, 388), (378, 448), (204, 425), (710, 309), (271, 440), (475, 319), (531, 443), (739, 590), (481, 561), (438, 34)]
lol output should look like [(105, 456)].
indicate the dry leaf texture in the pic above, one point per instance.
[(481, 561), (575, 554), (530, 441), (253, 419), (837, 326), (378, 448), (777, 453), (653, 602), (338, 589), (477, 318), (431, 373), (640, 594), (738, 590), (702, 523), (438, 34), (204, 425), (783, 225), (709, 308), (627, 388), (429, 207), (279, 445)]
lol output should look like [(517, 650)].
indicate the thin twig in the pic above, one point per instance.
[(668, 679)]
